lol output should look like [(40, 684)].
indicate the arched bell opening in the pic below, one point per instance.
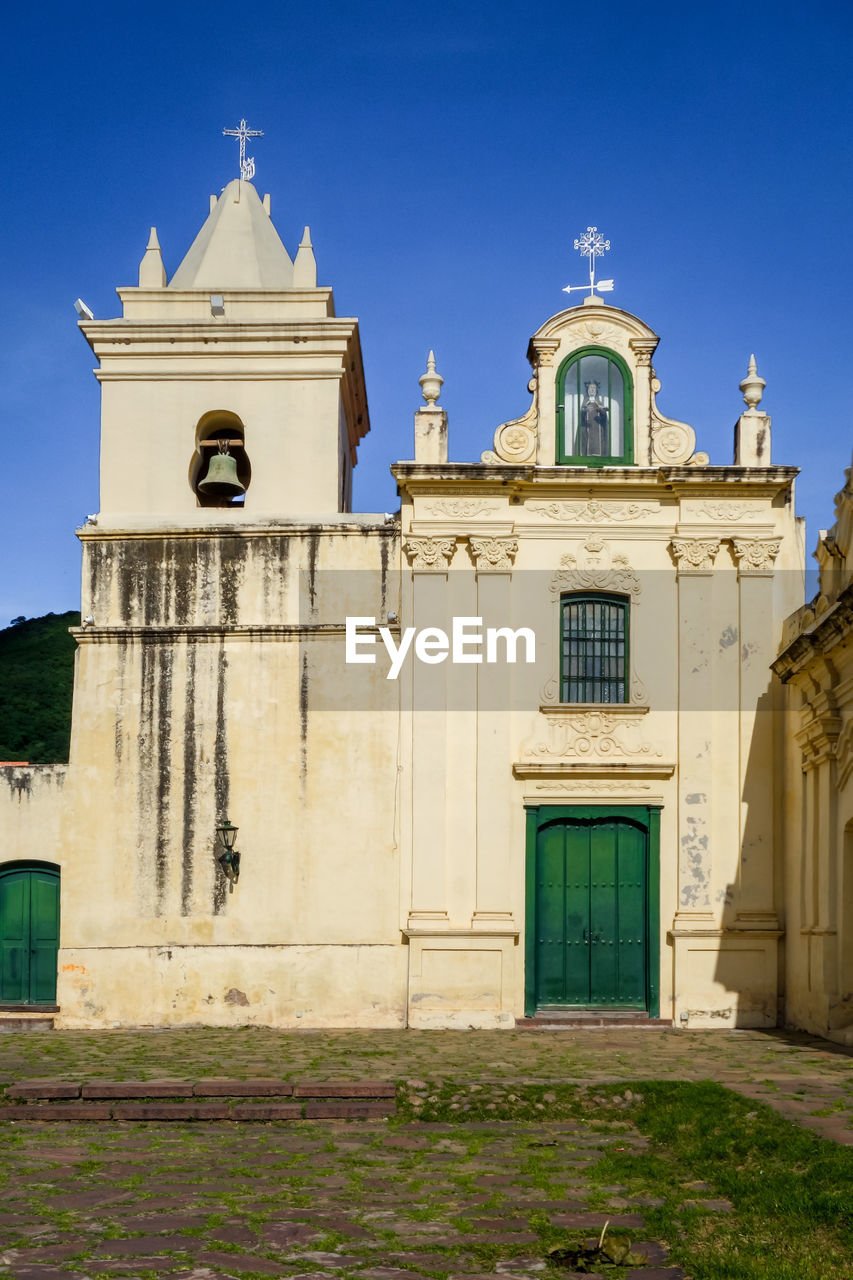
[(220, 471)]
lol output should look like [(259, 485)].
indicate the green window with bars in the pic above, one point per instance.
[(594, 648)]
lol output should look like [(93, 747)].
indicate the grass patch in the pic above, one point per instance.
[(792, 1192)]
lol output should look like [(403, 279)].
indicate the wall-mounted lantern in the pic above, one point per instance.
[(229, 859)]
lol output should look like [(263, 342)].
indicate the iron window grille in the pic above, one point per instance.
[(594, 648)]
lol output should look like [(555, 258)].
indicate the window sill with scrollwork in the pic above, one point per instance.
[(584, 708)]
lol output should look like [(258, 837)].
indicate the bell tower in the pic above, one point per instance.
[(232, 391)]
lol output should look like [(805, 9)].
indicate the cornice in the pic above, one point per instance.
[(832, 628), (93, 533), (711, 482), (592, 769), (121, 331), (164, 634)]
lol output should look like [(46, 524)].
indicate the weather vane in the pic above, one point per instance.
[(592, 245), (247, 167)]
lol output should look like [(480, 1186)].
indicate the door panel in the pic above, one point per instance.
[(631, 938), (550, 893), (14, 937), (576, 937), (591, 912), (44, 936), (29, 936)]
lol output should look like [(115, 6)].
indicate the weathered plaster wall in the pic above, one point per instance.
[(31, 809), (816, 665), (210, 685)]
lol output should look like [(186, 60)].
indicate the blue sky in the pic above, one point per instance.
[(446, 156)]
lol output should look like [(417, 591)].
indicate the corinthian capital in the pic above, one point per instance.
[(694, 555), (493, 553), (430, 553), (755, 555)]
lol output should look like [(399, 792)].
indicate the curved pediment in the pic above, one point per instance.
[(596, 325), (611, 350)]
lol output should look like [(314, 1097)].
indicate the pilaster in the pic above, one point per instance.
[(695, 568)]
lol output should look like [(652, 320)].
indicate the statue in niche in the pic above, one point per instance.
[(594, 434)]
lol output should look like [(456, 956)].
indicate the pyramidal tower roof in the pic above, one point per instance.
[(237, 248)]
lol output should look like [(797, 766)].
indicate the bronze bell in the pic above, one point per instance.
[(222, 480)]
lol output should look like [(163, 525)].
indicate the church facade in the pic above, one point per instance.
[(516, 753)]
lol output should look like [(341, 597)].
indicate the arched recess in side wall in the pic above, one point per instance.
[(29, 932)]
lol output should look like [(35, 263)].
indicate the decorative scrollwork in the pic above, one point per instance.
[(600, 734), (594, 512), (673, 443), (596, 568), (515, 441), (592, 787), (723, 510), (461, 508)]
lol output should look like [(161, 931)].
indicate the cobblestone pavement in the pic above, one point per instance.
[(325, 1200), (805, 1078), (364, 1199)]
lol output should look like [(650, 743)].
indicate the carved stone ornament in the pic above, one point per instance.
[(594, 512), (844, 753), (515, 441), (602, 334), (695, 555), (592, 788), (430, 553), (597, 734), (673, 443), (461, 508), (755, 555), (723, 510), (493, 553), (595, 568)]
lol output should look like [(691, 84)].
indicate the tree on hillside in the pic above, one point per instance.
[(36, 679)]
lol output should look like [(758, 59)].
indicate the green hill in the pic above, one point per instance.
[(36, 677)]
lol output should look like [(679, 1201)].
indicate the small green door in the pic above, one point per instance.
[(29, 935), (591, 913)]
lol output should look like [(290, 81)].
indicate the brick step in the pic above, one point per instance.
[(351, 1109), (178, 1099), (213, 1087)]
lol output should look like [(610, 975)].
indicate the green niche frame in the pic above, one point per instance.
[(625, 459), (647, 815)]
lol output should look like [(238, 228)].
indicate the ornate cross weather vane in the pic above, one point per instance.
[(592, 245), (247, 166)]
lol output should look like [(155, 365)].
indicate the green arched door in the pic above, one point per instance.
[(29, 934)]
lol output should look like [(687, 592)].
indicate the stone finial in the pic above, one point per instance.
[(752, 387), (152, 273), (305, 264), (431, 383)]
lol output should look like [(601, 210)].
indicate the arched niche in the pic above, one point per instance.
[(218, 429)]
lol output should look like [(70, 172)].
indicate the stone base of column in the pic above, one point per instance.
[(427, 919), (461, 979), (491, 921)]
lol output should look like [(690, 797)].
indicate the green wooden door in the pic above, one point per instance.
[(591, 913), (29, 935)]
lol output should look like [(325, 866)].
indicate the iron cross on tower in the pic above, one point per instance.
[(247, 167), (592, 245)]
